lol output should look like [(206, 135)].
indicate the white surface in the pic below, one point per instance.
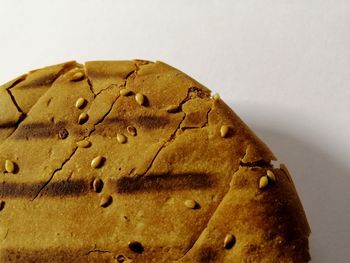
[(284, 66)]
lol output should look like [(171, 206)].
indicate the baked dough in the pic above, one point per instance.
[(134, 161)]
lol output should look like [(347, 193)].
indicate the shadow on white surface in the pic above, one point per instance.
[(323, 186)]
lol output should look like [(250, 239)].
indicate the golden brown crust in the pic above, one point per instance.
[(268, 224), (26, 90), (9, 115), (167, 175)]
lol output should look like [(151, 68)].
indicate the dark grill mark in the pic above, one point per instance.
[(164, 182), (67, 188), (47, 130), (53, 189), (13, 124), (152, 122), (124, 185), (207, 255), (117, 120), (8, 125), (49, 255), (38, 130)]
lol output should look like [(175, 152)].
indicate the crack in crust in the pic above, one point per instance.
[(100, 121), (65, 69), (96, 250), (205, 124), (14, 101), (15, 82), (53, 174), (260, 163), (192, 92)]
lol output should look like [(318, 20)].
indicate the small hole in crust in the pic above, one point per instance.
[(120, 259), (63, 133), (136, 247)]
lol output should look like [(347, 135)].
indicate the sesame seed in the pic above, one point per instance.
[(106, 201), (131, 130), (190, 203), (224, 130), (77, 76), (125, 92), (140, 99), (80, 103), (216, 96), (9, 166), (172, 108), (271, 175), (2, 205), (97, 162), (263, 182), (121, 138), (83, 144), (229, 241), (97, 185), (83, 117), (136, 247), (63, 134)]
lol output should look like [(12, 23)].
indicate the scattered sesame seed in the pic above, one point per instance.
[(140, 99), (83, 144), (77, 76), (224, 130), (229, 241), (97, 162), (9, 166), (97, 185), (136, 247), (106, 201), (216, 96), (121, 138), (263, 182), (271, 175), (80, 103), (125, 92), (190, 203), (172, 108), (83, 117), (131, 130)]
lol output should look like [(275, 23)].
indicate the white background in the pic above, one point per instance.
[(284, 66)]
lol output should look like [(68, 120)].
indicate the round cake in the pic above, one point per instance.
[(134, 161)]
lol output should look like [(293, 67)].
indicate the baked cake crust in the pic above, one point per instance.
[(134, 161)]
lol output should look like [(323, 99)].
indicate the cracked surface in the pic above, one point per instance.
[(50, 202), (9, 115), (27, 92), (24, 92)]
